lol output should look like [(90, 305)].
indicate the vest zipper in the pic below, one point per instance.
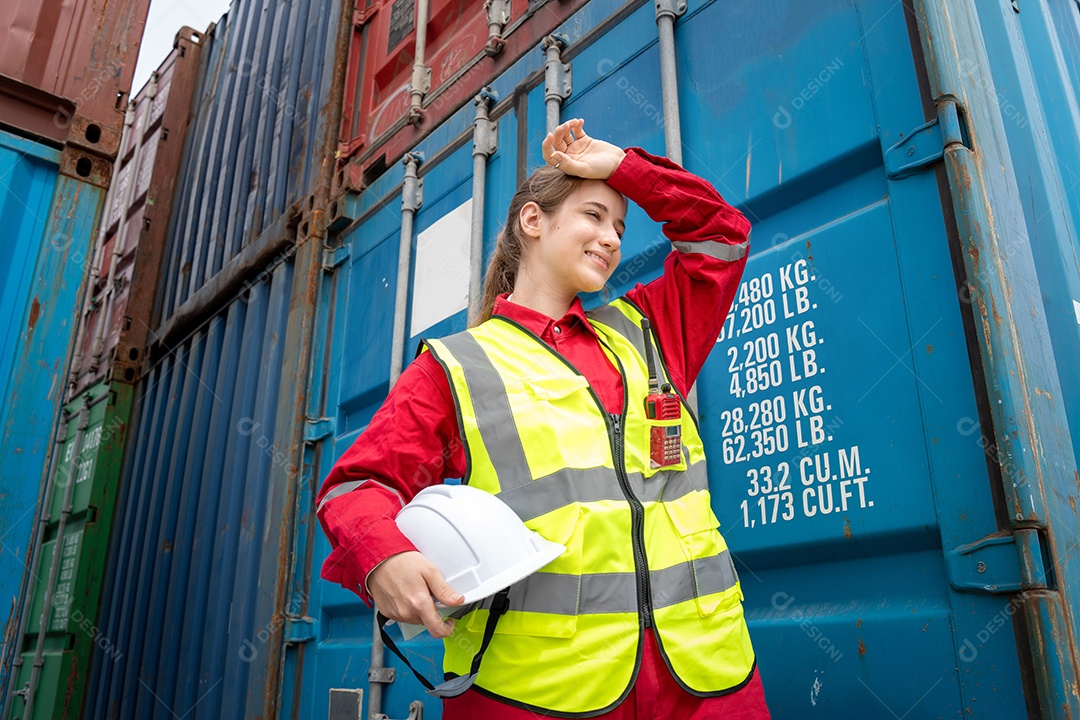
[(637, 525), (637, 510)]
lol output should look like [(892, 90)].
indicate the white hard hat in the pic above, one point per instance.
[(474, 539)]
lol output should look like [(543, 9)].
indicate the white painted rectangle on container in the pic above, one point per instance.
[(441, 284)]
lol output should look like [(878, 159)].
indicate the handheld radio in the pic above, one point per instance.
[(661, 404)]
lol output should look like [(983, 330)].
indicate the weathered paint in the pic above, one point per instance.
[(193, 589), (376, 129), (127, 304), (1030, 429), (889, 371), (71, 633), (66, 69), (252, 155), (54, 252), (32, 167), (199, 593)]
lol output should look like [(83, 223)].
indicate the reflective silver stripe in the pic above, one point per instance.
[(347, 487), (572, 485), (601, 593), (718, 250), (617, 320), (703, 577), (491, 407)]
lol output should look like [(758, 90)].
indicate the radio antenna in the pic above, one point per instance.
[(646, 331)]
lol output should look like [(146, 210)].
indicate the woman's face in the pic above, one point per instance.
[(577, 247)]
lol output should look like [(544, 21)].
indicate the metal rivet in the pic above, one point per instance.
[(981, 567)]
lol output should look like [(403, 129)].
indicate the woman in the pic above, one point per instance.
[(546, 406)]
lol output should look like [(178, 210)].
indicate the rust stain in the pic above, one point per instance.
[(858, 623), (35, 311), (862, 647), (929, 348), (1048, 396), (847, 528)]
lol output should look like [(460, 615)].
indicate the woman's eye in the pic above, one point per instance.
[(593, 214)]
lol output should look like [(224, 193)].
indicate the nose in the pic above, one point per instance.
[(610, 239)]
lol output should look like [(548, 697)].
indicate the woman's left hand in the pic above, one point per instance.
[(575, 153)]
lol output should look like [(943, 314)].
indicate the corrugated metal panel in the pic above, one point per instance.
[(194, 588), (1036, 84), (844, 409), (198, 594), (32, 169), (66, 68), (90, 462), (117, 315), (255, 148), (53, 252), (377, 126)]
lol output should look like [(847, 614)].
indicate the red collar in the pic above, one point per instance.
[(541, 324)]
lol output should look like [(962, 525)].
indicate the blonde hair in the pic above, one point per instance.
[(548, 188)]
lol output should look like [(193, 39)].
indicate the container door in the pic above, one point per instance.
[(838, 409), (841, 408), (362, 290)]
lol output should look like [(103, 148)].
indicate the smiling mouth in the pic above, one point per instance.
[(604, 261)]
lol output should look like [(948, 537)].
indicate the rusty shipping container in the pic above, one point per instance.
[(65, 71), (892, 411), (118, 312), (198, 599), (109, 347)]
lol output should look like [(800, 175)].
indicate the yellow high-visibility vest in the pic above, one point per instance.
[(643, 550)]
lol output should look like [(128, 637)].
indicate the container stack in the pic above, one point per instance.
[(95, 421), (891, 414), (197, 598), (65, 76)]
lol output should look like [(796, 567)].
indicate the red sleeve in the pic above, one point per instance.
[(412, 442), (689, 302)]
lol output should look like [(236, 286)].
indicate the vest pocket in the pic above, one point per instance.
[(646, 447), (696, 525)]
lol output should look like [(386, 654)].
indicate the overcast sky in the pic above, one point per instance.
[(165, 18)]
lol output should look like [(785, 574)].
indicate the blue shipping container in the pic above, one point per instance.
[(51, 202), (891, 414), (197, 602)]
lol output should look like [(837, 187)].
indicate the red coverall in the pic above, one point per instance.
[(413, 440)]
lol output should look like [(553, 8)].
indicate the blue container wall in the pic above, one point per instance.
[(50, 221), (841, 408), (1034, 79), (196, 597), (258, 143), (28, 170), (182, 594)]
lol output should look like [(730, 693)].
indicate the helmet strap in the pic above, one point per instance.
[(458, 684)]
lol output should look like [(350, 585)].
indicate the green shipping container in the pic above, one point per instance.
[(90, 461)]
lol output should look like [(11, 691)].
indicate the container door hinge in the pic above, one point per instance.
[(316, 429), (999, 564), (332, 257), (300, 629), (558, 76), (383, 675), (674, 8), (926, 144), (416, 712)]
